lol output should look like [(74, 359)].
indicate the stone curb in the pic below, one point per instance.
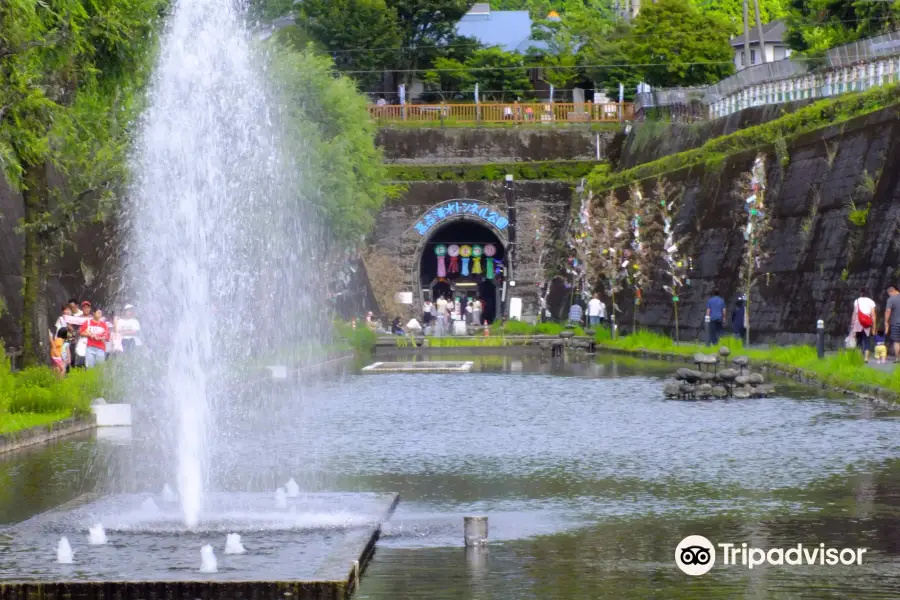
[(45, 433), (871, 393)]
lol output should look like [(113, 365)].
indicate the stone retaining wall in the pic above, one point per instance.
[(44, 433)]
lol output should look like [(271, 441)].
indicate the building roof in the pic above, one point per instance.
[(508, 29), (773, 33)]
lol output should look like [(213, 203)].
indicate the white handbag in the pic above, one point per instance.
[(81, 346), (850, 342)]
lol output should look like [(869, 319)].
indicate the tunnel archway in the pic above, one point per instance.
[(460, 283)]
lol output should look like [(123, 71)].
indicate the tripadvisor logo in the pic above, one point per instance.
[(696, 555)]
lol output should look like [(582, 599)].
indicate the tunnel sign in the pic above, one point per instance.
[(451, 208)]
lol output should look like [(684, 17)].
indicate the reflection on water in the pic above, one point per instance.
[(590, 479)]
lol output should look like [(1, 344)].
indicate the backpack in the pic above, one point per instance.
[(864, 320)]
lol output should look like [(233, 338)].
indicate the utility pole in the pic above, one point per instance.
[(759, 29), (746, 35)]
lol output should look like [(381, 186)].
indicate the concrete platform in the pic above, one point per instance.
[(316, 548), (441, 366)]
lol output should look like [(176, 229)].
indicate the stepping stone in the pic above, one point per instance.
[(724, 351), (741, 361), (756, 378)]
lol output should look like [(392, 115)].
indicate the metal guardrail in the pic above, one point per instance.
[(867, 50), (498, 112)]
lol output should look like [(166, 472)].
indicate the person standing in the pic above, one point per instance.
[(596, 311), (715, 310), (128, 328), (892, 321), (863, 322), (575, 313), (97, 334), (426, 312), (738, 325)]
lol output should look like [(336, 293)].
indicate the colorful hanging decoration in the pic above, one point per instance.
[(453, 253), (466, 252), (476, 259), (489, 273), (440, 251), (490, 250)]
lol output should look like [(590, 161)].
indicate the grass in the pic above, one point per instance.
[(14, 422), (566, 170), (713, 153), (36, 396), (844, 369)]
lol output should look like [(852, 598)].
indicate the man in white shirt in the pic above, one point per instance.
[(596, 311)]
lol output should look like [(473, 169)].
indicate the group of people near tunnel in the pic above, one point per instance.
[(83, 337), (865, 332)]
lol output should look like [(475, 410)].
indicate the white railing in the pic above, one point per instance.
[(852, 67)]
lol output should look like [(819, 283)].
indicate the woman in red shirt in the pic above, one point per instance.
[(97, 334)]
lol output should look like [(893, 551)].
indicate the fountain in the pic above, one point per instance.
[(280, 498), (97, 535), (64, 552), (220, 260), (233, 544), (293, 490), (208, 560)]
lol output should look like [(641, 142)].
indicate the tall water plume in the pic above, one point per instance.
[(216, 240)]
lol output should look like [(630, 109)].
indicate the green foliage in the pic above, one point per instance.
[(810, 118), (500, 75), (679, 45), (556, 170), (332, 141), (40, 390), (858, 216), (362, 339), (613, 52), (732, 12), (357, 34), (814, 26)]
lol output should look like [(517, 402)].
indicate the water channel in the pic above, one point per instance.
[(589, 477)]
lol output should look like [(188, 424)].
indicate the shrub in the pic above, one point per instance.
[(37, 399), (35, 377)]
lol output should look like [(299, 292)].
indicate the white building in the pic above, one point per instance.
[(773, 45)]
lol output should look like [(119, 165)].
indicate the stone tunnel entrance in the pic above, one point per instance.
[(446, 270)]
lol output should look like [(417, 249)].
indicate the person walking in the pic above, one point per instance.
[(892, 321), (575, 313), (863, 322), (716, 311), (128, 328)]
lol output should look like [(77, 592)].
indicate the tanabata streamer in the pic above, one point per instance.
[(441, 250), (466, 252), (489, 251), (453, 253), (476, 259)]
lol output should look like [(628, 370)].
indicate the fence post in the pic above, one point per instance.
[(820, 338), (707, 323)]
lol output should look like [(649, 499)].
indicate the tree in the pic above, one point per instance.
[(333, 140), (360, 35), (70, 76), (609, 62), (817, 25), (752, 191), (425, 26), (500, 75), (673, 44), (732, 12)]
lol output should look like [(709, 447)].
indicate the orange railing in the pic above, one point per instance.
[(510, 112)]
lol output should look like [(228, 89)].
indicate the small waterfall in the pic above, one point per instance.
[(233, 544), (64, 552), (208, 563), (97, 535)]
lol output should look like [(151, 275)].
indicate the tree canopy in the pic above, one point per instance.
[(817, 25)]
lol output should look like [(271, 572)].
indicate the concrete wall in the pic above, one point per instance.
[(460, 145), (540, 204), (809, 276)]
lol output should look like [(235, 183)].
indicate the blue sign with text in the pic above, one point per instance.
[(456, 207)]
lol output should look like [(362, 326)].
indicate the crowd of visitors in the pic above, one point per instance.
[(84, 337)]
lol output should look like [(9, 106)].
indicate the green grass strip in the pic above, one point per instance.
[(844, 369), (713, 153), (15, 422), (566, 170)]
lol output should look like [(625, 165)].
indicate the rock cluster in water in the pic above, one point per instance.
[(708, 382)]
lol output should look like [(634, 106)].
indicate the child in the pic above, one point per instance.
[(880, 348), (59, 352)]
